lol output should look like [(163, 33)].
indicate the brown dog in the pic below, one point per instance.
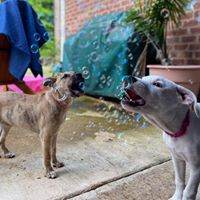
[(42, 113)]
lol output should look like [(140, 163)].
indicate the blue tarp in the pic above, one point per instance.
[(104, 51), (99, 51), (26, 34)]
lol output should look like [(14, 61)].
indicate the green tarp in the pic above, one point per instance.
[(100, 52)]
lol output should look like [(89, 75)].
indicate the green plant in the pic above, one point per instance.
[(152, 19)]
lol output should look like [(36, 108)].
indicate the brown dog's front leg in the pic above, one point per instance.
[(46, 148), (4, 129), (54, 160)]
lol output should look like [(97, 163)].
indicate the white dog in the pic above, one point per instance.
[(175, 110)]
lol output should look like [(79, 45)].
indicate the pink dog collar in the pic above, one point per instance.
[(183, 128)]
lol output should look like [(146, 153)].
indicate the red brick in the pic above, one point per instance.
[(180, 46), (185, 54), (193, 62), (190, 23), (194, 47), (178, 61), (197, 5), (195, 30), (188, 39), (173, 54), (173, 40), (189, 15), (197, 54), (178, 32)]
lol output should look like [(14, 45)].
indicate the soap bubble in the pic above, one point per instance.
[(36, 37), (83, 43), (120, 135), (107, 48), (198, 19), (34, 48), (130, 56), (94, 34), (191, 81), (120, 54), (190, 5), (85, 72), (95, 44), (124, 61), (82, 86), (144, 125), (82, 134), (102, 79), (109, 81), (138, 117), (94, 56), (109, 119), (123, 78), (45, 36), (165, 13)]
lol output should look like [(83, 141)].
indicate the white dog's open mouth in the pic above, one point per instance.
[(132, 98)]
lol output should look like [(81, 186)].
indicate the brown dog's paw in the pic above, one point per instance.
[(51, 174), (58, 164), (9, 155)]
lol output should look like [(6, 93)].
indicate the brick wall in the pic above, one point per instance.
[(183, 43), (80, 11)]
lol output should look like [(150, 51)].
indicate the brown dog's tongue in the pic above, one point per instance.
[(132, 94)]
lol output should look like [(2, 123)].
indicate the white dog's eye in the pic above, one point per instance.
[(158, 84)]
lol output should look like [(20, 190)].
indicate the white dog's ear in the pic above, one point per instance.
[(188, 98)]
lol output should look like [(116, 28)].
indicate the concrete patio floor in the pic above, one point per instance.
[(104, 159)]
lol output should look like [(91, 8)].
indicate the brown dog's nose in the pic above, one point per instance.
[(79, 76)]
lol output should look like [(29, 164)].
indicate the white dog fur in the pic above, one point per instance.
[(165, 104)]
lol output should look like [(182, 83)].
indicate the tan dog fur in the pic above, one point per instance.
[(40, 113)]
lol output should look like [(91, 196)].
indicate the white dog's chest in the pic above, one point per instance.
[(183, 149)]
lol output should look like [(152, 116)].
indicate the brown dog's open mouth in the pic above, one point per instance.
[(77, 88), (132, 98), (76, 93)]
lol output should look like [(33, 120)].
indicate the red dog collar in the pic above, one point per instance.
[(183, 128)]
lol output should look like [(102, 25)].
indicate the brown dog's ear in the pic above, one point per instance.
[(189, 98), (49, 82)]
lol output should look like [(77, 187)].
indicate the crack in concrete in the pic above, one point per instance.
[(103, 183)]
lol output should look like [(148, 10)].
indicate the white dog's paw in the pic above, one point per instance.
[(177, 196), (9, 155), (51, 174)]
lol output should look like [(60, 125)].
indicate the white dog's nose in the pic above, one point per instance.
[(128, 81), (134, 79)]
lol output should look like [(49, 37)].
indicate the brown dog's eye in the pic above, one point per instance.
[(65, 76), (157, 84)]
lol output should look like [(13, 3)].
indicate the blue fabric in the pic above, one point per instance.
[(26, 34)]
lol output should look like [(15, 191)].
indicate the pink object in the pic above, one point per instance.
[(34, 83)]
